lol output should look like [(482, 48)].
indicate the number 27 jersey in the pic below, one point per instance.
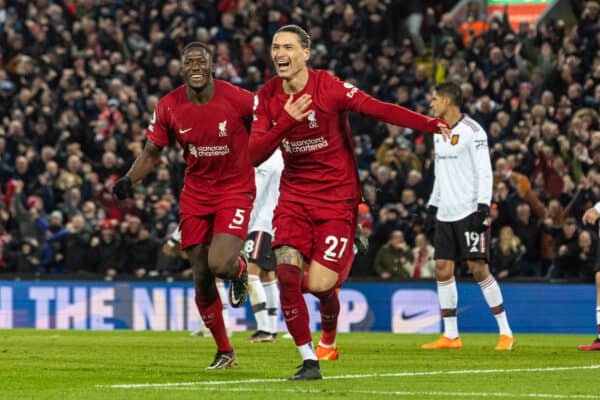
[(318, 155)]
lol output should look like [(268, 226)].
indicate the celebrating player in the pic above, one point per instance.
[(590, 217), (305, 113), (462, 192), (206, 117)]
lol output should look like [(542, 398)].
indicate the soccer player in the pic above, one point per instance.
[(304, 112), (206, 117), (262, 281), (590, 217), (460, 201)]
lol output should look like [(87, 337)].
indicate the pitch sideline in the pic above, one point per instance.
[(357, 376)]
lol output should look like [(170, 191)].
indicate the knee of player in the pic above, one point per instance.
[(443, 270), (222, 267), (320, 285), (479, 269)]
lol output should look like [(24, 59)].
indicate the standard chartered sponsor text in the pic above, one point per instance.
[(208, 151), (311, 144)]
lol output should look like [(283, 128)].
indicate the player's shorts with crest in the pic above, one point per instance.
[(456, 241), (325, 235), (200, 229), (258, 248)]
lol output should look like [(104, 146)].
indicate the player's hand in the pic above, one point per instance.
[(438, 125), (445, 131), (299, 108), (122, 189), (590, 216), (429, 222), (481, 218)]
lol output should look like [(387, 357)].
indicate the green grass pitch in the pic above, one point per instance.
[(110, 365)]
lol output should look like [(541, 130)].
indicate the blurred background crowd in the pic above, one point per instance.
[(79, 81)]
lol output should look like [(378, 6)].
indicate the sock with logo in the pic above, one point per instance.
[(272, 294), (224, 299), (448, 302), (293, 305), (493, 297), (329, 306), (211, 310), (258, 300)]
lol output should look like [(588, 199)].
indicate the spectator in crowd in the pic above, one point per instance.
[(566, 248), (394, 259), (506, 253), (423, 265)]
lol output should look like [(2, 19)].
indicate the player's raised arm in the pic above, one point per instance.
[(349, 97), (265, 137), (398, 115)]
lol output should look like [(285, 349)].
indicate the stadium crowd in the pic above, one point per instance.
[(79, 81)]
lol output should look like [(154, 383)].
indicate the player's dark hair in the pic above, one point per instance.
[(301, 33), (196, 45), (450, 90)]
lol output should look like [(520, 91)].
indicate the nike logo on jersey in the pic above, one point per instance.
[(184, 131), (231, 226)]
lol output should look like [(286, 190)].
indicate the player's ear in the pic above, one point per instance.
[(307, 54)]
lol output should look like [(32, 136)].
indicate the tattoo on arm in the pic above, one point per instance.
[(289, 255)]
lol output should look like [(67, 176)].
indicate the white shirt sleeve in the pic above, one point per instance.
[(434, 199), (597, 206), (483, 164)]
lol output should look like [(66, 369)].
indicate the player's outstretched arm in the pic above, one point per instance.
[(263, 141), (398, 115), (140, 168)]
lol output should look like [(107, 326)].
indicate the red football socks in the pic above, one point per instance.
[(293, 305), (329, 307), (211, 310)]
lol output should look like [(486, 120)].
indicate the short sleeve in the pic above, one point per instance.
[(158, 128), (341, 95)]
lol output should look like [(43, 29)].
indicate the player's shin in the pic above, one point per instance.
[(211, 310), (223, 297), (329, 306), (272, 294), (258, 300), (448, 297), (294, 309), (493, 296)]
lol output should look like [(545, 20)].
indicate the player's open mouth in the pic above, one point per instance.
[(197, 78), (283, 65)]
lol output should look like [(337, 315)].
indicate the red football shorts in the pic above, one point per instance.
[(325, 235), (199, 229)]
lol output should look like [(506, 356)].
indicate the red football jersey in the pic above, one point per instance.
[(214, 139), (318, 153)]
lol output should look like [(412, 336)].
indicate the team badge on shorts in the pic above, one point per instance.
[(454, 140)]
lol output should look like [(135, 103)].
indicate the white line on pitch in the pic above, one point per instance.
[(353, 376), (396, 393)]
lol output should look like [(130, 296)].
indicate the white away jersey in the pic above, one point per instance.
[(266, 176), (463, 171)]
